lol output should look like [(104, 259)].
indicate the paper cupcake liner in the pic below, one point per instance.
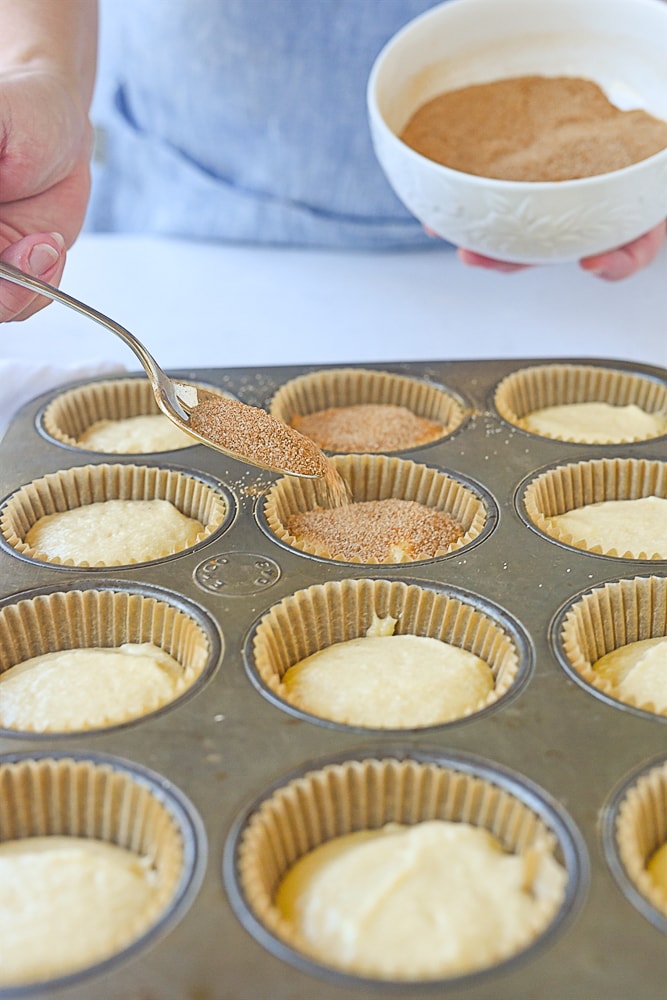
[(71, 413), (530, 389), (106, 799), (52, 621), (367, 793), (337, 611), (567, 487), (377, 477), (609, 617), (341, 387), (83, 485), (637, 822)]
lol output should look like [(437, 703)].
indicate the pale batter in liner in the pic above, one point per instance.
[(583, 403), (113, 533), (141, 434), (67, 903), (437, 898), (637, 673), (390, 681), (78, 689), (594, 423), (633, 528), (111, 514)]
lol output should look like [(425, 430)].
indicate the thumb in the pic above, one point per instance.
[(41, 255)]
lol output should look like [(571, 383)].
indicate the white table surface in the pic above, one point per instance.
[(206, 305)]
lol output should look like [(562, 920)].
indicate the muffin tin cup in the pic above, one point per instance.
[(634, 825), (565, 487), (337, 611), (70, 413), (373, 787), (107, 614), (379, 477), (528, 389), (596, 622), (194, 495), (106, 798), (342, 387)]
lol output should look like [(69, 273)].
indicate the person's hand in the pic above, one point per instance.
[(611, 266), (45, 140)]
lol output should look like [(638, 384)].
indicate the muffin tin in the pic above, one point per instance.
[(558, 746)]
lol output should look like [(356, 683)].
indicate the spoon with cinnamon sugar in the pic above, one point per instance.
[(246, 433)]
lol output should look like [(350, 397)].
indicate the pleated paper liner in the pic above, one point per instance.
[(192, 495), (567, 487), (105, 798), (379, 477), (107, 616), (608, 618), (368, 791), (72, 413), (529, 389), (634, 827), (344, 387), (337, 611)]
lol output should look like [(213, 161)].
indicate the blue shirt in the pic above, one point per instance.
[(245, 121)]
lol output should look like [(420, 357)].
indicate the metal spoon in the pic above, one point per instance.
[(176, 399)]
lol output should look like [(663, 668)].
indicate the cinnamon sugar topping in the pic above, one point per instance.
[(533, 128), (389, 531), (370, 427), (251, 432)]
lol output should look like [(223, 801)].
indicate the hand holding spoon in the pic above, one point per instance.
[(246, 433)]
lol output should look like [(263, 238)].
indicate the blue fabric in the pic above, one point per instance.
[(245, 121)]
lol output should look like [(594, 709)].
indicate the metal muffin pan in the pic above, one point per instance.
[(569, 848), (130, 805), (225, 744)]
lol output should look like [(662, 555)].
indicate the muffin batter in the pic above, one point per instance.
[(77, 689), (595, 423), (139, 435), (635, 528), (418, 902), (391, 681), (68, 902), (113, 533), (638, 672)]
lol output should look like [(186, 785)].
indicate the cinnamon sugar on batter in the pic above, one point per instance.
[(251, 431), (389, 531), (367, 427), (533, 128)]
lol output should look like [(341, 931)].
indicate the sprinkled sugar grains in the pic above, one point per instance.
[(391, 530)]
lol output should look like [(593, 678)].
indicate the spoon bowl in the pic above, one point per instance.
[(178, 400)]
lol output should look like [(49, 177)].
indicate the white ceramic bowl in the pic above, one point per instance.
[(619, 44)]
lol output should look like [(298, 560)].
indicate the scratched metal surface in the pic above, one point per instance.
[(226, 744)]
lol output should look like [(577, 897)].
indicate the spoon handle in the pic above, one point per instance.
[(162, 386)]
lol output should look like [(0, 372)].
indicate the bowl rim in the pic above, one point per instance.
[(378, 121)]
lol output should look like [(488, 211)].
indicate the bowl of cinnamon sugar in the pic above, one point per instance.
[(530, 132)]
